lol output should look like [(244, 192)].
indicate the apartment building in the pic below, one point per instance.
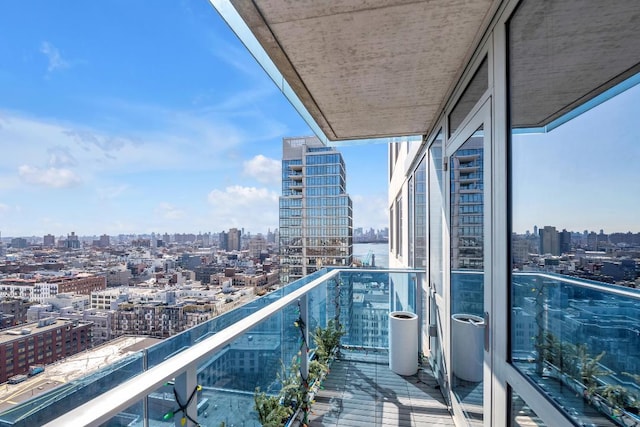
[(40, 343), (316, 219)]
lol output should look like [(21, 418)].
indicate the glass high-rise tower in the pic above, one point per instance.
[(316, 225)]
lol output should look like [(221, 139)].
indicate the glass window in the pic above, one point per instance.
[(436, 214), (475, 89), (467, 277), (392, 229), (420, 216), (521, 414), (399, 224), (410, 225), (575, 200)]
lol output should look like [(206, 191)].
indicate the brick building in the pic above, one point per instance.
[(80, 284), (39, 289), (44, 342), (13, 311)]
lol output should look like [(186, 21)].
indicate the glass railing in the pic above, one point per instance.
[(467, 292), (261, 356), (167, 348), (578, 341), (57, 402)]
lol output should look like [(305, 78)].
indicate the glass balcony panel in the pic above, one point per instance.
[(467, 292), (130, 417), (578, 342), (55, 403), (163, 409), (366, 298), (161, 351), (260, 357), (521, 414)]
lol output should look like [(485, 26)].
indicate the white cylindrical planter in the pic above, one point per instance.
[(467, 335), (403, 342)]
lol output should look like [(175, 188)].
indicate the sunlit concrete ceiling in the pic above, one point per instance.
[(563, 54), (368, 68)]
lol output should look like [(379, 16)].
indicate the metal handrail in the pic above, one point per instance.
[(123, 396), (585, 283)]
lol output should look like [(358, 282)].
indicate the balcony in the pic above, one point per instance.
[(576, 341), (214, 368)]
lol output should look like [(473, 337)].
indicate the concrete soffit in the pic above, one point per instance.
[(369, 68)]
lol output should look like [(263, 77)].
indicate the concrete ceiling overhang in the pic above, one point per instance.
[(369, 68), (564, 54)]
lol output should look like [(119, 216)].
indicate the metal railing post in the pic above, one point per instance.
[(304, 351), (186, 385), (145, 401), (303, 304)]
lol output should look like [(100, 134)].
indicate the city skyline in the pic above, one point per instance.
[(579, 175), (146, 130)]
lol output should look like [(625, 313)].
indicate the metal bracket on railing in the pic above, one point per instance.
[(433, 330)]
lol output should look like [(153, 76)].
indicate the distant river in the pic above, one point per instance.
[(380, 250)]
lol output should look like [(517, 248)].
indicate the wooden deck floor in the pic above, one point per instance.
[(366, 393)]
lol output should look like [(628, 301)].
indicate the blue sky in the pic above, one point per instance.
[(145, 116), (583, 175)]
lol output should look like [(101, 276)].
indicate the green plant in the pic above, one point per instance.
[(292, 393), (634, 399), (590, 369), (327, 340), (270, 412), (276, 410), (316, 370), (549, 348), (615, 395)]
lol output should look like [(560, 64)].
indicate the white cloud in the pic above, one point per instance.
[(52, 53), (370, 211), (168, 211), (238, 206), (51, 177), (264, 169), (60, 157), (181, 142), (106, 143)]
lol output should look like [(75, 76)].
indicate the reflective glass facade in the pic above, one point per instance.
[(316, 226)]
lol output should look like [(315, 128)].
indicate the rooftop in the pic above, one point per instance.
[(32, 329)]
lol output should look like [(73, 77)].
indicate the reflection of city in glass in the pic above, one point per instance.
[(467, 268), (467, 205), (316, 226), (574, 306)]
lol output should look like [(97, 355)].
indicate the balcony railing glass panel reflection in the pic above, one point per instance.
[(578, 341), (255, 357)]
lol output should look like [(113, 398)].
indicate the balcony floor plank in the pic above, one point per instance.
[(366, 393)]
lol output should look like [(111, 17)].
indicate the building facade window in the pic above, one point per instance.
[(315, 210), (399, 230), (420, 216)]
